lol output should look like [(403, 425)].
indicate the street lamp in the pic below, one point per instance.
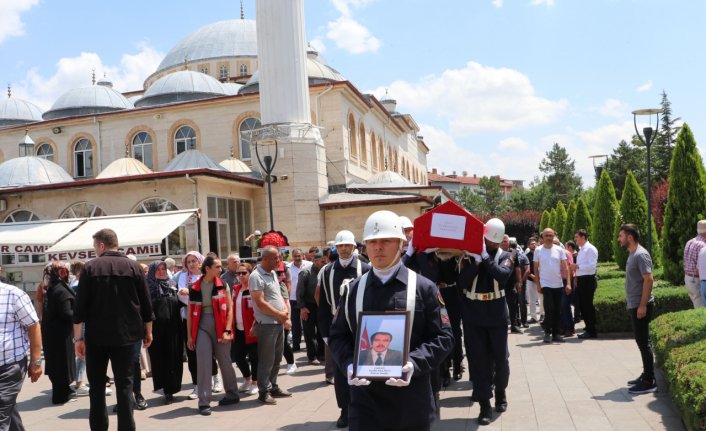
[(597, 165), (268, 165), (647, 138)]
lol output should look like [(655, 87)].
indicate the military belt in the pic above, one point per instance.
[(487, 296)]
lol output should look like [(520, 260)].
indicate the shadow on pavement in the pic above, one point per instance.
[(617, 395)]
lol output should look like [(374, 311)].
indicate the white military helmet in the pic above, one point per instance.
[(345, 237), (494, 230), (406, 222), (383, 224)]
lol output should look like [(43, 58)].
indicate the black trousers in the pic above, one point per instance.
[(586, 289), (244, 355), (312, 335), (452, 298), (641, 329), (11, 378), (512, 298), (552, 309), (340, 385), (522, 302), (489, 355), (296, 325), (288, 353), (122, 360)]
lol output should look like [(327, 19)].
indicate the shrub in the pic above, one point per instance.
[(582, 218), (561, 222), (672, 330), (570, 216), (604, 211)]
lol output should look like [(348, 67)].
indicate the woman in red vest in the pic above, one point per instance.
[(244, 347)]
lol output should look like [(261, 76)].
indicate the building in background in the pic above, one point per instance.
[(453, 183)]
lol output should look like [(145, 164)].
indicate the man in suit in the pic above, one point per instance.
[(380, 354)]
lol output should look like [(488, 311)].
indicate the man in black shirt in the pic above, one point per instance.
[(114, 303)]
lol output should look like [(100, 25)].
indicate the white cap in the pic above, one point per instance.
[(345, 237), (494, 230), (383, 224), (406, 222), (257, 232)]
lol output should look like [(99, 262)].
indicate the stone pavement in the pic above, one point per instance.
[(579, 385)]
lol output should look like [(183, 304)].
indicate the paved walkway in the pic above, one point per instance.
[(579, 385)]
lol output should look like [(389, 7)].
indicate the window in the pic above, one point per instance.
[(83, 159), (175, 243), (21, 215), (45, 151), (243, 70), (14, 257), (229, 222), (352, 142), (185, 139), (373, 152), (363, 145), (247, 126), (204, 70), (81, 210), (223, 72), (142, 148)]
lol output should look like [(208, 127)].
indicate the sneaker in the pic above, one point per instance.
[(253, 389), (644, 386), (140, 402), (217, 384), (547, 338), (266, 398), (291, 369), (83, 390), (194, 394), (205, 410), (225, 401), (244, 387), (633, 382), (277, 392)]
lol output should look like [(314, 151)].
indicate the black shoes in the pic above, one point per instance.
[(446, 381), (587, 335), (558, 339), (278, 392), (515, 330), (547, 338), (140, 402), (500, 401), (342, 421), (225, 401), (486, 413), (168, 398), (458, 371), (266, 398), (205, 410), (644, 386), (633, 382)]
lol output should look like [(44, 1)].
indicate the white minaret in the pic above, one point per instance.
[(286, 117)]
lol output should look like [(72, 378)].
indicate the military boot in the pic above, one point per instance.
[(500, 401), (486, 413)]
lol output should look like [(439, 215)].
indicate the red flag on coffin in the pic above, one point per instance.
[(448, 226), (364, 342)]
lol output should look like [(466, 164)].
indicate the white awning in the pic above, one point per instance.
[(35, 233), (132, 230)]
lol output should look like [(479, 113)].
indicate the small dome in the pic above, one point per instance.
[(127, 166), (15, 111), (389, 103), (231, 88), (95, 99), (236, 166), (181, 86), (317, 71), (385, 179), (192, 159), (31, 171), (231, 38)]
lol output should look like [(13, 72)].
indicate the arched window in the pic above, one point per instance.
[(142, 148), (83, 209), (245, 129), (223, 72), (45, 151), (204, 70), (175, 243), (83, 158), (352, 141), (243, 70), (184, 139), (21, 215), (363, 145), (373, 152), (381, 158)]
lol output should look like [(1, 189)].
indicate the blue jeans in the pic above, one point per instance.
[(703, 290), (567, 318)]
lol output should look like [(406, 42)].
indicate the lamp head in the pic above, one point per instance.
[(647, 131)]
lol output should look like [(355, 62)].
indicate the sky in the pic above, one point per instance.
[(493, 84)]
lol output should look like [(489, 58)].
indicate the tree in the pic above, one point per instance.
[(633, 209), (659, 203), (661, 150), (521, 224), (625, 158), (570, 218), (544, 221), (492, 195), (604, 212), (552, 219), (560, 174), (472, 201), (686, 203), (561, 217), (582, 220)]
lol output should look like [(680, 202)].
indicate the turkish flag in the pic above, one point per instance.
[(448, 226), (364, 342)]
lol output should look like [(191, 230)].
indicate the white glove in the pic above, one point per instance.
[(355, 381), (325, 340), (407, 371), (484, 254), (475, 257)]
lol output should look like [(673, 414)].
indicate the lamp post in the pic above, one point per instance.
[(268, 165), (648, 136), (597, 166)]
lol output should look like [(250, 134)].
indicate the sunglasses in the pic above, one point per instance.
[(242, 273)]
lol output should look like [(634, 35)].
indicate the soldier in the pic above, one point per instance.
[(485, 320), (408, 402), (334, 275)]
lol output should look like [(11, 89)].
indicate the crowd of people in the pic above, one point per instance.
[(458, 303)]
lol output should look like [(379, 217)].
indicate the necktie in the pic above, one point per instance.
[(378, 361)]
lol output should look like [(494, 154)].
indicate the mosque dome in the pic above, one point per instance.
[(230, 38), (95, 99), (236, 166), (192, 159), (127, 166), (231, 88), (181, 86), (316, 69), (15, 111), (31, 171), (385, 179)]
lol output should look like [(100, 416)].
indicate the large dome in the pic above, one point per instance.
[(181, 86), (95, 99), (231, 38), (31, 171), (15, 111)]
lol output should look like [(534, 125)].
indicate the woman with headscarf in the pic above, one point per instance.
[(168, 338), (57, 331)]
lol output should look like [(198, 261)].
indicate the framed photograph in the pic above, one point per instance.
[(383, 344)]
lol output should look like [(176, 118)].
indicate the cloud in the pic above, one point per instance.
[(11, 24), (73, 72), (542, 2), (644, 87), (476, 99), (318, 45), (497, 3), (514, 144), (613, 108), (347, 33)]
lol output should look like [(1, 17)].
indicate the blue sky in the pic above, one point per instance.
[(492, 83)]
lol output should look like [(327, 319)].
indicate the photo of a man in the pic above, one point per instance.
[(379, 353)]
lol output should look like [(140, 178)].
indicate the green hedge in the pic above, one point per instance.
[(680, 345)]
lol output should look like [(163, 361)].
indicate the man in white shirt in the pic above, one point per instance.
[(585, 269), (297, 265), (548, 263)]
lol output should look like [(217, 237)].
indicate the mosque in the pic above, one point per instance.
[(177, 165)]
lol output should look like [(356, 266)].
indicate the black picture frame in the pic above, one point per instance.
[(394, 325)]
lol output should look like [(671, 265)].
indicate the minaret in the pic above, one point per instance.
[(286, 117)]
